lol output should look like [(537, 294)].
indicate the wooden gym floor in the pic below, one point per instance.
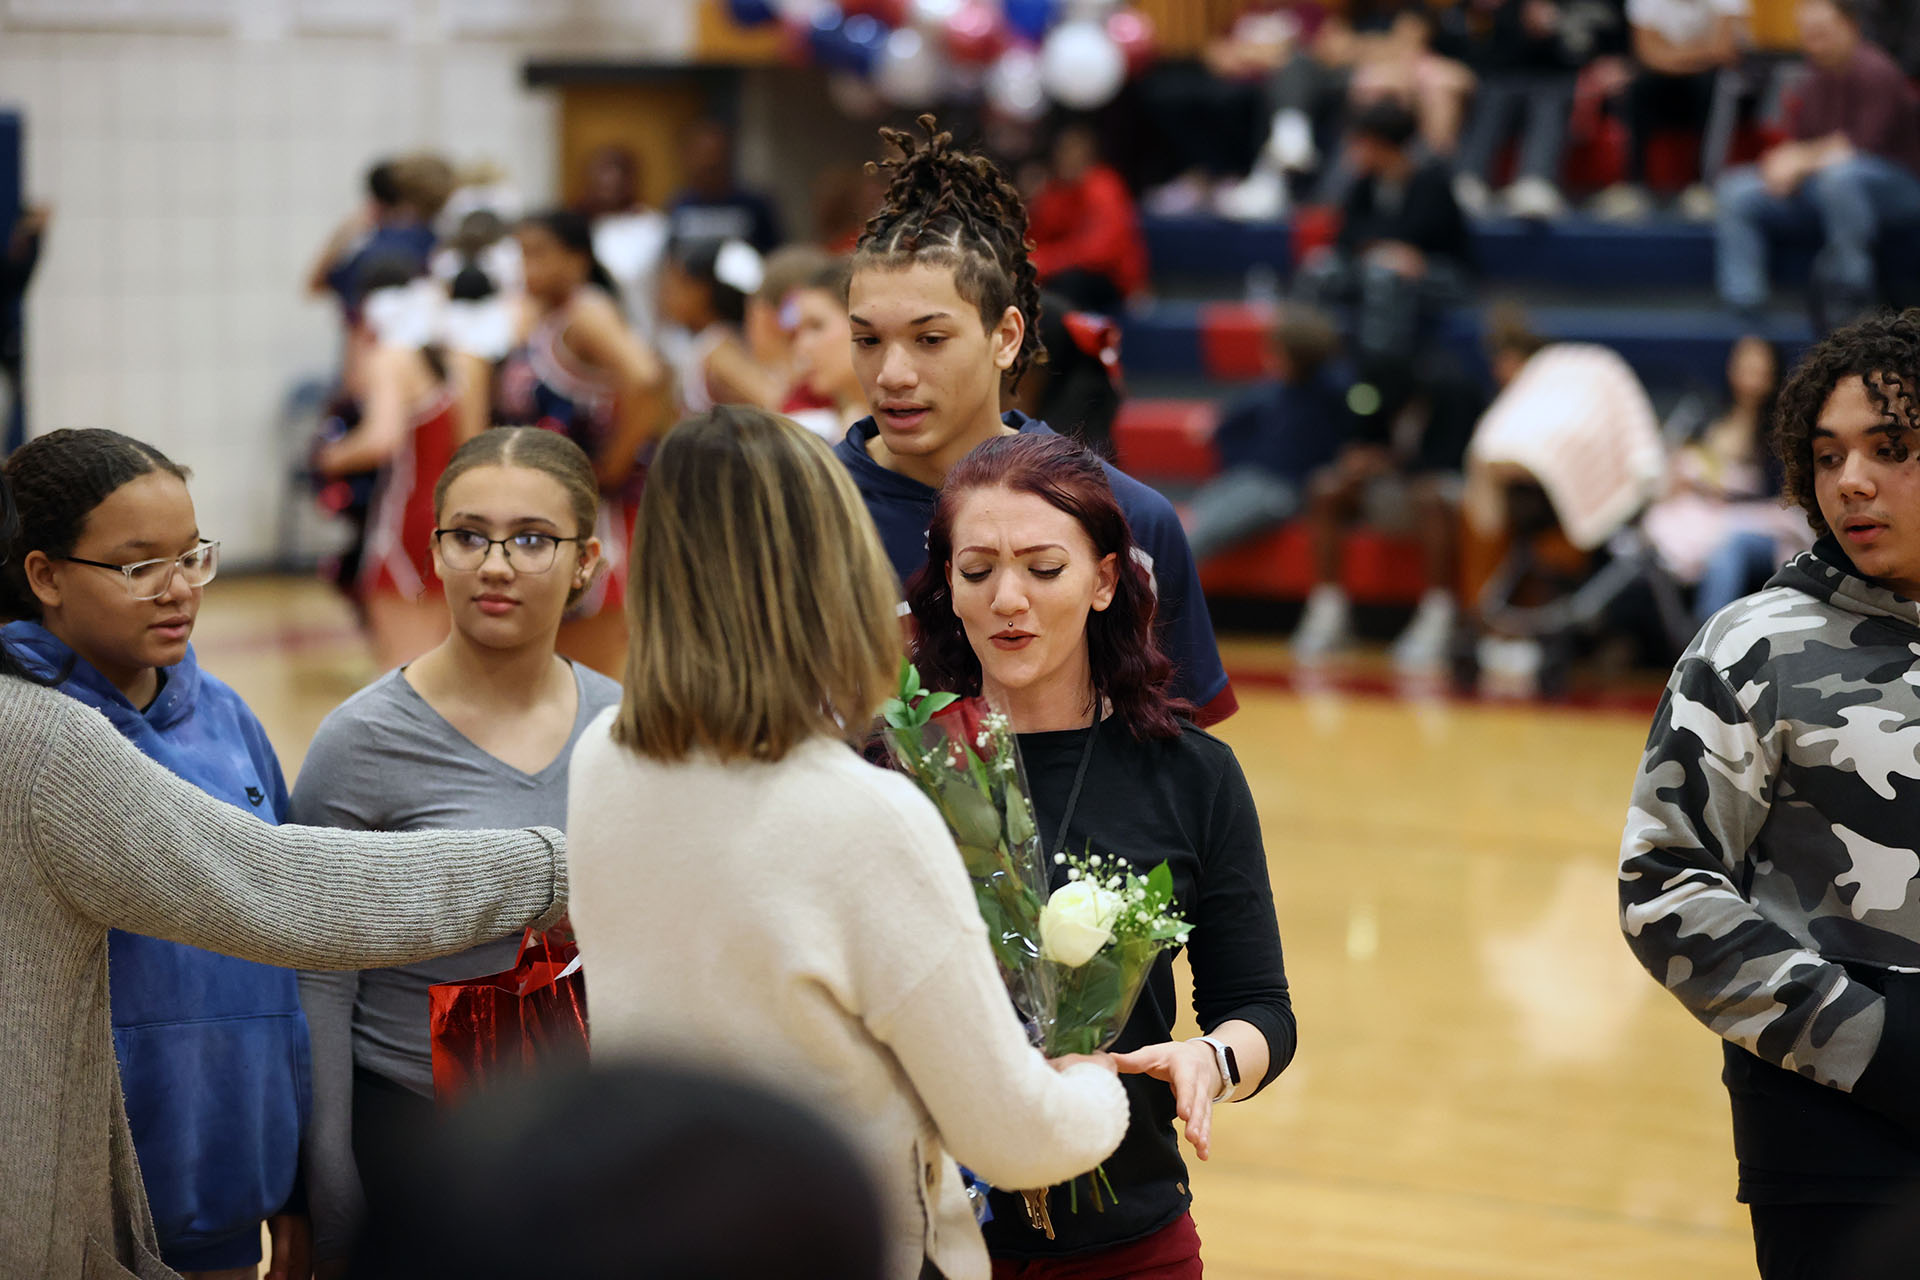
[(1487, 1084)]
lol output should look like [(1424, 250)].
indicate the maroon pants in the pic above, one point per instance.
[(1171, 1253)]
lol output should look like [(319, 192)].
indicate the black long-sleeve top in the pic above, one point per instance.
[(1183, 801), (1423, 214)]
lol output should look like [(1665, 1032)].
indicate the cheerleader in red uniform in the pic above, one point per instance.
[(581, 371), (407, 432)]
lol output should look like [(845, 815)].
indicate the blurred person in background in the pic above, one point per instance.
[(1210, 115), (844, 197), (404, 196), (1403, 469), (1767, 873), (20, 243), (409, 425), (213, 1050), (770, 320), (1721, 526), (1850, 173), (1525, 67), (713, 205), (703, 296), (1402, 253), (1400, 65), (1680, 47), (823, 354), (754, 899), (1079, 386), (676, 1174), (576, 368), (1087, 244), (1273, 440), (629, 236)]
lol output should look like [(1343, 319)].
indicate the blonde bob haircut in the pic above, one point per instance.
[(761, 605)]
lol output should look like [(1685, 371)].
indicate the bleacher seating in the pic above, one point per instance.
[(1644, 290)]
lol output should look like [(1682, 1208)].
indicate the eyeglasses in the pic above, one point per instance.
[(468, 549), (150, 579)]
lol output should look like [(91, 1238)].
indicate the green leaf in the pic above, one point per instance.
[(937, 702), (1019, 818), (897, 716), (1160, 882), (969, 813)]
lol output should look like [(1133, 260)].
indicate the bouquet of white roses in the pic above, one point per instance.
[(1074, 959)]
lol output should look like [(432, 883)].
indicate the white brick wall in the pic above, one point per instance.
[(194, 174)]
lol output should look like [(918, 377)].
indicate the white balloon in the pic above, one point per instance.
[(908, 72), (1081, 66), (932, 15), (1014, 86)]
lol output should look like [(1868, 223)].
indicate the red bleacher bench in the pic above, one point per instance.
[(1379, 568), (1170, 440)]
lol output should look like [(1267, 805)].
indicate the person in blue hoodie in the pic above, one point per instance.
[(104, 582)]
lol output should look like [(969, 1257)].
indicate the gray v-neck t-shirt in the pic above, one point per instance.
[(385, 760)]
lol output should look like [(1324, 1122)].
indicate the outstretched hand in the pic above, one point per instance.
[(1193, 1072)]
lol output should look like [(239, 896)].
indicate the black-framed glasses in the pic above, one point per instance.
[(468, 549), (149, 579)]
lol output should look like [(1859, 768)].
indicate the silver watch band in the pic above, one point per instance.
[(1227, 1084)]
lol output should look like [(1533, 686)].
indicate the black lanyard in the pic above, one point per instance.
[(1073, 796)]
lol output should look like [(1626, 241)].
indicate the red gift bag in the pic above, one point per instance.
[(533, 1015)]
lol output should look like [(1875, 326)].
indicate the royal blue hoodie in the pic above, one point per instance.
[(213, 1050)]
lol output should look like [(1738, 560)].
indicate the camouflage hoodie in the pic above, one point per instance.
[(1769, 874)]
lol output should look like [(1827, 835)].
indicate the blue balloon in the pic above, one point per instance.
[(864, 36), (1031, 19), (753, 13), (826, 36)]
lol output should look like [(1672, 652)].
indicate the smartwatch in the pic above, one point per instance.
[(1228, 1064)]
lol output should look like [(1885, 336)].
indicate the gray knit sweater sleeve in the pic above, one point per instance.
[(125, 843)]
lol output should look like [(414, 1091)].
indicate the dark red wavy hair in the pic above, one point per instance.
[(1130, 672)]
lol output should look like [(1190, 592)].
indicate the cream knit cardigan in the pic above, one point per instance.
[(93, 835), (808, 925)]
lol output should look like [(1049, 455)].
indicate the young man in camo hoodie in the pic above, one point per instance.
[(1770, 870)]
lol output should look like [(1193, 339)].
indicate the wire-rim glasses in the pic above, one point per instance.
[(467, 549)]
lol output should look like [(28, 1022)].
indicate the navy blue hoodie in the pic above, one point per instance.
[(213, 1050)]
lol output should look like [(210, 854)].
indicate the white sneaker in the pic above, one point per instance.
[(1509, 668), (1697, 203), (1471, 194), (1325, 627), (1261, 197), (1424, 644), (1534, 198), (1290, 142), (1623, 202)]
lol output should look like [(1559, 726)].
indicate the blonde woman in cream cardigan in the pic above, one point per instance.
[(754, 897)]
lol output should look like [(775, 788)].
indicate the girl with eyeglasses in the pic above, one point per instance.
[(475, 733), (105, 578)]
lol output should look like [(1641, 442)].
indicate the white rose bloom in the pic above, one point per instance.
[(1076, 922)]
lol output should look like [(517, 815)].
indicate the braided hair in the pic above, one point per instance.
[(1884, 352), (956, 209), (57, 481)]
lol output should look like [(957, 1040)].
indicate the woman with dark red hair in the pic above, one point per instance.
[(1032, 595)]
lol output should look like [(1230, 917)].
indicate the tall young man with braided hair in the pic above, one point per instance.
[(944, 308), (1770, 870)]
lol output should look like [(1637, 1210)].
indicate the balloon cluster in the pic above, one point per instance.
[(1015, 54)]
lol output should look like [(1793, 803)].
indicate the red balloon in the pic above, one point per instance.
[(1132, 32), (796, 40), (977, 33), (892, 13)]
